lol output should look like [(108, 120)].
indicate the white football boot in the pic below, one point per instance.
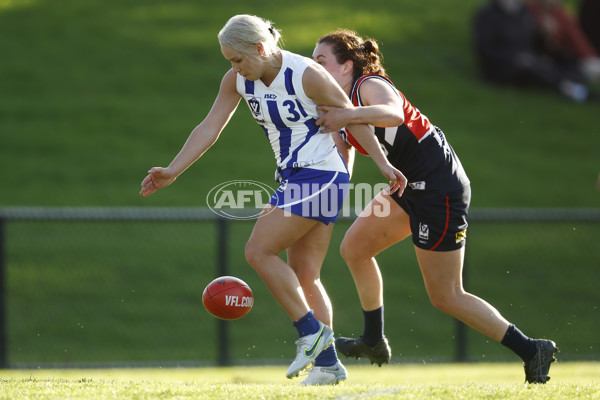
[(308, 348), (331, 375)]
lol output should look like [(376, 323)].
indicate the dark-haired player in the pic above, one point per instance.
[(433, 208)]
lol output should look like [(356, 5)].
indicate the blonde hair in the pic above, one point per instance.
[(243, 32)]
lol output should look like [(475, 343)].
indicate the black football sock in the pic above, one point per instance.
[(515, 340), (373, 332)]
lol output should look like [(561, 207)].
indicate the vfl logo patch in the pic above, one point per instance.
[(423, 231), (460, 236), (254, 103)]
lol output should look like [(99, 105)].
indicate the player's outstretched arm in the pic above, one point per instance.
[(157, 178), (200, 140)]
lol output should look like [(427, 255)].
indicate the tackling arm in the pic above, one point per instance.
[(323, 90), (383, 107)]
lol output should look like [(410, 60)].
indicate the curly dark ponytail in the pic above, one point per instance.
[(347, 45)]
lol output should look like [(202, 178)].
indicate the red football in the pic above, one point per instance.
[(228, 297)]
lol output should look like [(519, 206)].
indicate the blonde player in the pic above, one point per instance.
[(282, 90)]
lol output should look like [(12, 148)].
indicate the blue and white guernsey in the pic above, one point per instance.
[(288, 116)]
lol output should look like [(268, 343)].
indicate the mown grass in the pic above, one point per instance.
[(436, 381)]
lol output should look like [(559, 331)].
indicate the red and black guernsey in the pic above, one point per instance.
[(417, 148), (415, 123)]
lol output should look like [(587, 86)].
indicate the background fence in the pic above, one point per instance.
[(124, 285)]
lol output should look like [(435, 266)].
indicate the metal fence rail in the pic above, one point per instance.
[(200, 214), (205, 214)]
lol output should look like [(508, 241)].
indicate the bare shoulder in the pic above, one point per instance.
[(378, 91), (376, 84), (322, 88), (229, 79), (315, 75)]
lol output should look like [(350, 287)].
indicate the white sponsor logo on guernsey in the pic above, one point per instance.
[(417, 185)]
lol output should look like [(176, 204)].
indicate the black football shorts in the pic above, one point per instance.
[(438, 222)]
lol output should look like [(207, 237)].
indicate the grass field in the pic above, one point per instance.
[(435, 381), (96, 92), (80, 293)]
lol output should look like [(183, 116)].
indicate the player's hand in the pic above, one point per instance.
[(157, 178), (331, 119), (397, 179)]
